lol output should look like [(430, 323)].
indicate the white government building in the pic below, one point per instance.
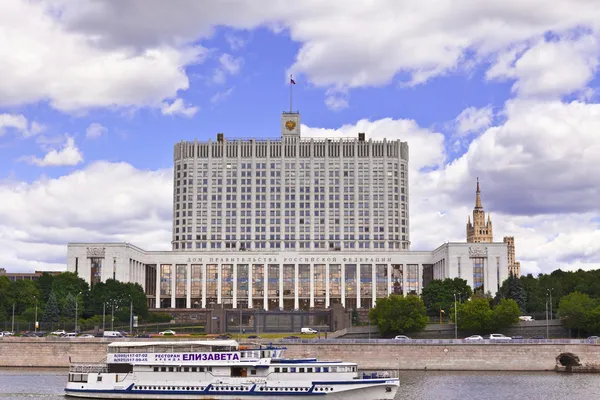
[(290, 224)]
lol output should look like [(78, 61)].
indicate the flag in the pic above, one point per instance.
[(292, 81)]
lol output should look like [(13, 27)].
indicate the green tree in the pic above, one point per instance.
[(505, 314), (475, 315), (69, 308), (397, 314), (512, 288), (51, 315), (592, 320), (439, 294), (573, 310)]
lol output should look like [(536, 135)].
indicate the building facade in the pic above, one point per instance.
[(480, 230), (291, 194), (514, 267), (286, 280), (291, 224)]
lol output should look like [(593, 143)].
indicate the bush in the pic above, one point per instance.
[(159, 317)]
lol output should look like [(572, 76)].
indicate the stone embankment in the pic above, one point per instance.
[(43, 352)]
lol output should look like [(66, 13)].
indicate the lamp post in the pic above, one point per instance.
[(455, 319), (12, 329), (112, 317), (103, 315), (130, 316), (550, 293), (76, 313), (441, 312), (35, 322), (547, 330)]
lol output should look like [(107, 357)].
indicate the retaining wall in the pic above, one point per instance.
[(40, 352)]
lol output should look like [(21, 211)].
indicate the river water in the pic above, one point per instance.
[(430, 385)]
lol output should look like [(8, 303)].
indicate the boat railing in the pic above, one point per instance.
[(89, 368)]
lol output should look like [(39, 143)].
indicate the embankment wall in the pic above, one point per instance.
[(31, 352)]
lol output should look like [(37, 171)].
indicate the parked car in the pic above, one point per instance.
[(8, 333), (87, 336), (60, 332), (474, 338), (499, 336), (112, 334), (589, 337), (401, 337), (307, 330), (519, 337), (224, 336), (70, 334), (168, 332)]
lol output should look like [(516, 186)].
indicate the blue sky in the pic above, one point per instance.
[(96, 93)]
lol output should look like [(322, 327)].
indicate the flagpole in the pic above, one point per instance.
[(291, 84)]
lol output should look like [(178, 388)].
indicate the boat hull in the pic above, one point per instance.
[(358, 390)]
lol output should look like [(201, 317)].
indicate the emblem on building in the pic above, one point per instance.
[(95, 252), (290, 125), (478, 252)]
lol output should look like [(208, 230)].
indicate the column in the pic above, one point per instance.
[(343, 284), (389, 279), (281, 286), (296, 277), (374, 284), (250, 279), (312, 286), (235, 285), (173, 276), (188, 289), (157, 289), (357, 285), (404, 278), (203, 285), (219, 283), (419, 278), (266, 289), (327, 284)]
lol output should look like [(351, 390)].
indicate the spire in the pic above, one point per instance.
[(478, 197)]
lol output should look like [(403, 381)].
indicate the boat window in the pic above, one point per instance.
[(318, 369), (284, 370), (200, 369), (301, 370), (276, 369), (325, 369), (292, 369), (163, 369), (171, 369), (308, 369), (209, 369), (186, 369), (193, 369), (99, 378), (178, 369), (156, 369), (252, 372)]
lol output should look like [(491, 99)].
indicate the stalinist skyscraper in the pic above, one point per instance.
[(479, 231)]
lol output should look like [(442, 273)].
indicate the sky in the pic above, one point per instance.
[(95, 93)]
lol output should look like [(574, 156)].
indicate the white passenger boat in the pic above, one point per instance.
[(220, 369)]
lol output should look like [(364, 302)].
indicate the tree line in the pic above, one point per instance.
[(573, 296), (57, 298)]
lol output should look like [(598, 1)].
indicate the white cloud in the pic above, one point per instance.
[(102, 202), (127, 53), (551, 68), (228, 65), (95, 130), (473, 120), (69, 154), (43, 61), (19, 123), (336, 102), (177, 107), (221, 96), (235, 42)]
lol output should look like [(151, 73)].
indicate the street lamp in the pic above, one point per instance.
[(35, 322), (455, 319), (441, 312), (547, 330), (76, 313), (550, 293), (103, 315), (130, 316), (112, 317), (12, 329)]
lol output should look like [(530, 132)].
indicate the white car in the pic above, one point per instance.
[(473, 338), (167, 332), (401, 337), (60, 332), (499, 336)]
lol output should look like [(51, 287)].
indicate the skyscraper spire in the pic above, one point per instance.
[(478, 197)]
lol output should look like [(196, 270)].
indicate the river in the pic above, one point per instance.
[(430, 385)]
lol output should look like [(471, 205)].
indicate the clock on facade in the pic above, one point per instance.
[(290, 125)]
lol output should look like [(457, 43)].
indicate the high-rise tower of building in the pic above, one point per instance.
[(480, 230), (514, 267), (291, 194)]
